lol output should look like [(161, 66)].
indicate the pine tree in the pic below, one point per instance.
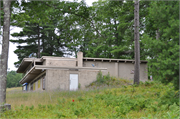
[(162, 53)]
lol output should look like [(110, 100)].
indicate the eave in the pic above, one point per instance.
[(25, 63), (111, 60), (38, 69)]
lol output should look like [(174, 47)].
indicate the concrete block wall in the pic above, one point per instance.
[(124, 71), (144, 72), (60, 79), (109, 65), (61, 63), (88, 76), (57, 79), (120, 69), (29, 87)]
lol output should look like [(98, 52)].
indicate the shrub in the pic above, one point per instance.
[(79, 86), (170, 97), (100, 78), (32, 107)]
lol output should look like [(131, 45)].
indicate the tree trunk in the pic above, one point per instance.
[(5, 50), (157, 34), (38, 42), (137, 47)]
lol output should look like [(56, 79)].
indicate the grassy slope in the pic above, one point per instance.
[(14, 89), (149, 100)]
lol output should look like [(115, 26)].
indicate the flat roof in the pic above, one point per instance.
[(54, 57), (111, 60), (25, 63), (33, 73)]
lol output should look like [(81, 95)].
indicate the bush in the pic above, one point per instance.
[(170, 97), (146, 101)]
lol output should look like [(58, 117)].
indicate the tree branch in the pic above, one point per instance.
[(90, 21)]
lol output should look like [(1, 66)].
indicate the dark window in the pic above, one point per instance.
[(38, 63)]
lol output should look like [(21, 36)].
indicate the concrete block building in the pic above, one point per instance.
[(61, 73)]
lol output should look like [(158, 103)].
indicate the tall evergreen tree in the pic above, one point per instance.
[(162, 49), (38, 37)]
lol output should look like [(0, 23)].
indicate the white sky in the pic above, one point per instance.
[(12, 47)]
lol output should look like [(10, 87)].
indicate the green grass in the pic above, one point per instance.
[(14, 89), (148, 100)]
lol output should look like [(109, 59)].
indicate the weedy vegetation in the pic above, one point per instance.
[(108, 97)]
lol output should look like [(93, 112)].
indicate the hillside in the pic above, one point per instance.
[(148, 100)]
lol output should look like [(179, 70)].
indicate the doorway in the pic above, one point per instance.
[(73, 82)]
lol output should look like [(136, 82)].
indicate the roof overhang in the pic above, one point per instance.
[(112, 60), (38, 69), (57, 58), (33, 73), (57, 67), (25, 63)]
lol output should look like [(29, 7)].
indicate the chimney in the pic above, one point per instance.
[(80, 59)]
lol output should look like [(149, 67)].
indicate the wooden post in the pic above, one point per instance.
[(137, 47)]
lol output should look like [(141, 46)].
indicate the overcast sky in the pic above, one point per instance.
[(12, 47)]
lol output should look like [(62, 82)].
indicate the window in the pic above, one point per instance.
[(34, 86), (43, 83), (39, 82)]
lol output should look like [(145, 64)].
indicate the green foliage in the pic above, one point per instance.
[(170, 97), (39, 32), (108, 80), (13, 79), (111, 103), (31, 108), (162, 53), (103, 30), (79, 86), (100, 79)]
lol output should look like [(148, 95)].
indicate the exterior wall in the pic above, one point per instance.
[(109, 65), (88, 76), (120, 69), (125, 71), (60, 63), (44, 62), (60, 79), (143, 72), (56, 79), (37, 86), (29, 87)]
